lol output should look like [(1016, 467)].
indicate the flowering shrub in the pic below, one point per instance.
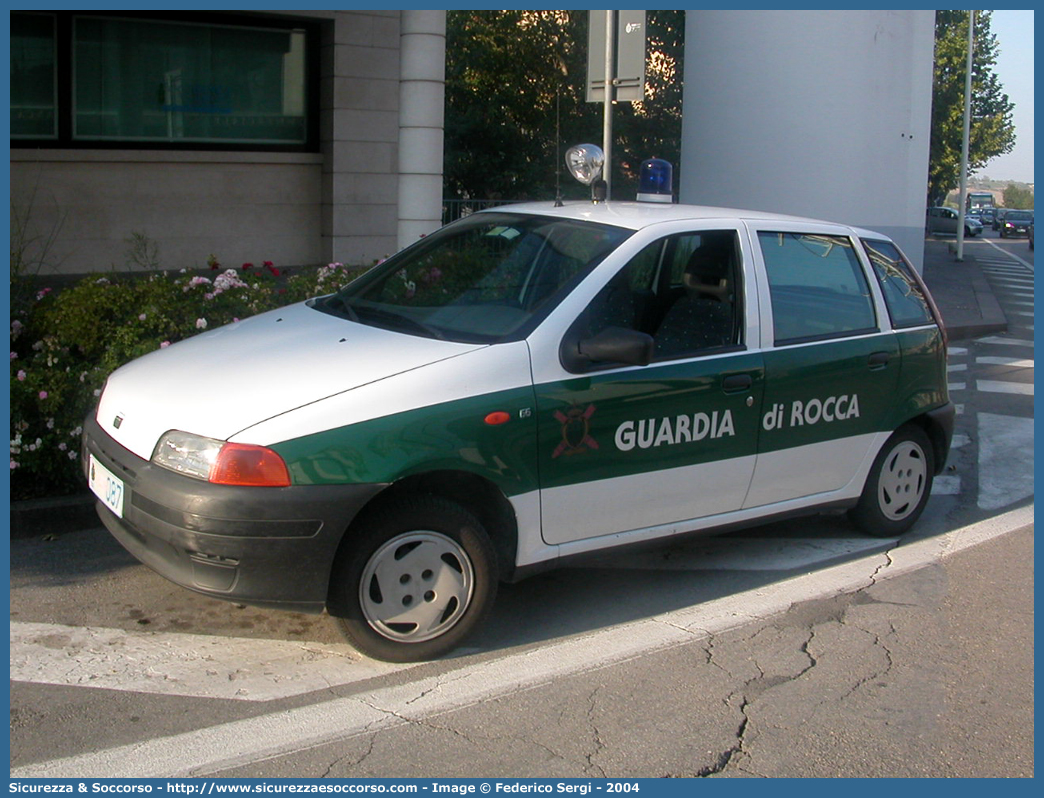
[(65, 343)]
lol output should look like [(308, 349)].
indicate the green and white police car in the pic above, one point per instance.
[(529, 384)]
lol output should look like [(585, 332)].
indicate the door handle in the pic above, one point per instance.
[(737, 383), (878, 360)]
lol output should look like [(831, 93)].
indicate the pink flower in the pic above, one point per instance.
[(14, 465), (14, 356), (21, 375), (43, 394), (164, 345), (141, 317), (201, 324)]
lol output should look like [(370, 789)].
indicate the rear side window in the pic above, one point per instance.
[(904, 295), (817, 285)]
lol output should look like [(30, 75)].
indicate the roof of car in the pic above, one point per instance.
[(637, 215)]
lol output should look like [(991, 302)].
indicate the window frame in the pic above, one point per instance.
[(661, 282), (859, 269), (64, 68), (910, 273)]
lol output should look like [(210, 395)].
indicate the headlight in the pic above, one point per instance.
[(220, 462)]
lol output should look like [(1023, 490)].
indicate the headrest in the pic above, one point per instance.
[(707, 273)]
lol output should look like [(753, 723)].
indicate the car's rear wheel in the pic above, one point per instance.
[(418, 580), (898, 486)]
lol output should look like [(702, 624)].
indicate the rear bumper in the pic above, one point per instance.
[(264, 546), (942, 421)]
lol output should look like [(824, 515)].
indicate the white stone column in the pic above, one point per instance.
[(422, 91)]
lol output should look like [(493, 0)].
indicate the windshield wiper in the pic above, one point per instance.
[(343, 304), (399, 321)]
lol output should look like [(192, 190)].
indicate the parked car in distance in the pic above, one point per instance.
[(998, 217), (985, 215), (1016, 223), (944, 220)]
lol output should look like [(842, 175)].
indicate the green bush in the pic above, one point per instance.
[(65, 343)]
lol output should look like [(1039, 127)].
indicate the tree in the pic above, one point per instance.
[(1018, 196), (992, 129), (513, 76)]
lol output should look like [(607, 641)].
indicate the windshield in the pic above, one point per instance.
[(1018, 216), (487, 278)]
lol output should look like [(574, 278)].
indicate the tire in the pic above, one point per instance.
[(898, 486), (420, 578)]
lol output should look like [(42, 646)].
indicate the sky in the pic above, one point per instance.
[(1014, 69)]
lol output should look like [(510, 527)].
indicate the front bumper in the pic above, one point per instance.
[(270, 547)]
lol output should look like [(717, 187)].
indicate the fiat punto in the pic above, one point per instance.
[(532, 383)]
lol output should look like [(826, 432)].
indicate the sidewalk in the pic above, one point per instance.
[(962, 294)]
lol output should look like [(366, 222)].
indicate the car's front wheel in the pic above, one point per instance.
[(419, 578), (898, 486)]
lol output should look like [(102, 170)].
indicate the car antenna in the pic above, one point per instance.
[(558, 146)]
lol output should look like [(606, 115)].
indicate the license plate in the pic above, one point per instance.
[(106, 486)]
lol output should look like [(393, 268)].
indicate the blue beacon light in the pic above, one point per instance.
[(655, 181)]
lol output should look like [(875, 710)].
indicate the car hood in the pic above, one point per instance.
[(221, 382)]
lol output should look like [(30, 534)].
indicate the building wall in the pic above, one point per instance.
[(816, 113), (239, 207), (338, 204)]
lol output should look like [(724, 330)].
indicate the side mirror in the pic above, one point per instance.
[(611, 345)]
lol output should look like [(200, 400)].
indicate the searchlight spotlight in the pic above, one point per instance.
[(585, 162)]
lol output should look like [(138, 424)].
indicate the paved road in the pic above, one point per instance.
[(797, 649)]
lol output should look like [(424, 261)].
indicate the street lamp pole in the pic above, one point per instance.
[(961, 201)]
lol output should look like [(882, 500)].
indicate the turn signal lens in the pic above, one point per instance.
[(241, 464), (220, 462), (497, 417)]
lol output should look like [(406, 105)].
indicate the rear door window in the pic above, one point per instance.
[(817, 286)]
